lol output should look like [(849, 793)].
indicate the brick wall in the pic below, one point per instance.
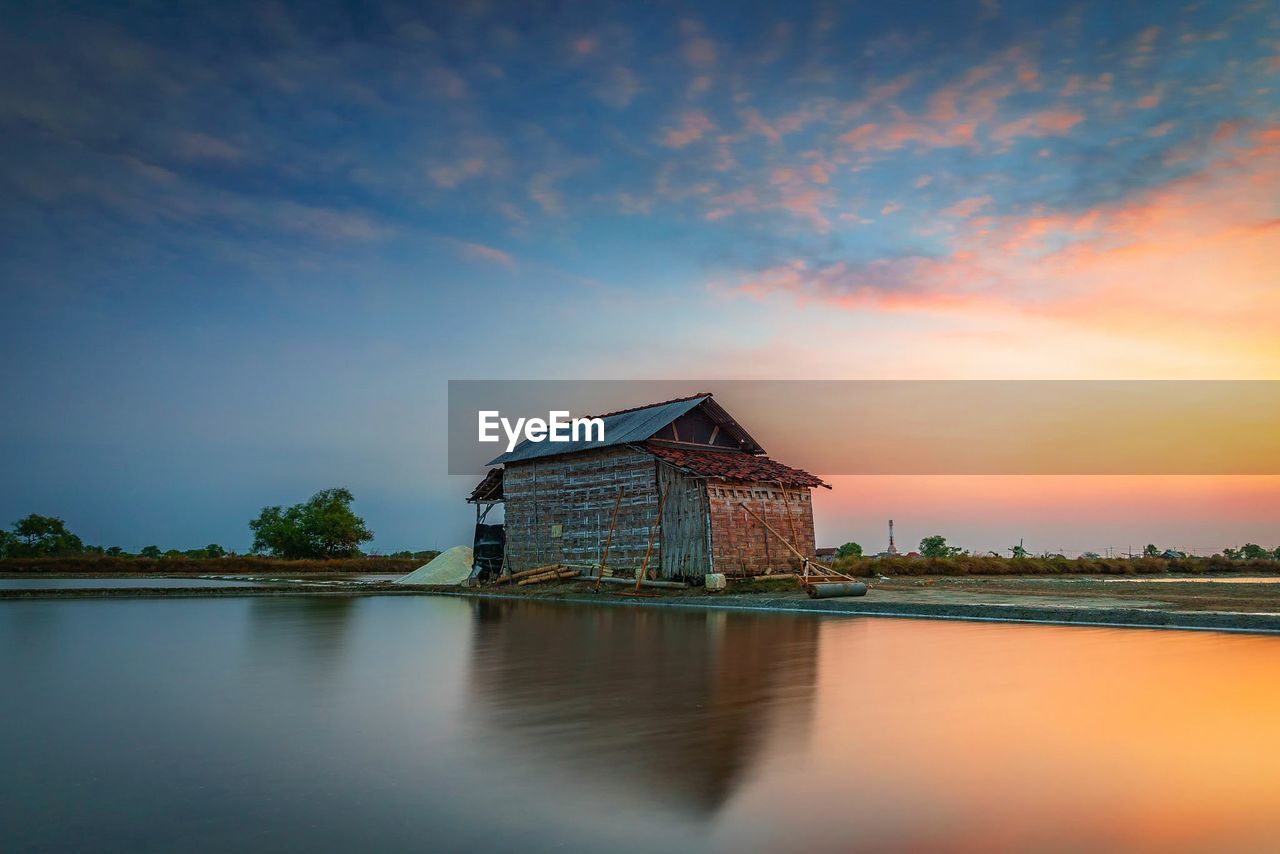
[(742, 546)]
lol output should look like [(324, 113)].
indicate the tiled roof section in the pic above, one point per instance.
[(730, 465), (489, 489)]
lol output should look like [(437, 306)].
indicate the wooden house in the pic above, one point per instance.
[(559, 497)]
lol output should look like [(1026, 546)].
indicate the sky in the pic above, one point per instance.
[(243, 247)]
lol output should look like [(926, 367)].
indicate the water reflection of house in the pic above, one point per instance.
[(559, 497), (670, 706)]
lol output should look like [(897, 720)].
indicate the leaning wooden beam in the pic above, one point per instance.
[(805, 561), (613, 520), (653, 533)]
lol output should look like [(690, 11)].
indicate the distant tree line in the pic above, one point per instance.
[(322, 528), (936, 547)]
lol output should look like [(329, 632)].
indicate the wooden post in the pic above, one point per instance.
[(613, 520), (653, 533)]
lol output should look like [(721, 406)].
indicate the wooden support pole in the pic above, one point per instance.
[(653, 533), (613, 520)]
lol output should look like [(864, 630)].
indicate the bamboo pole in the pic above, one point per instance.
[(653, 533), (613, 520), (547, 576), (525, 573), (795, 538), (804, 560)]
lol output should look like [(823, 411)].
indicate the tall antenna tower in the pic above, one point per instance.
[(893, 550)]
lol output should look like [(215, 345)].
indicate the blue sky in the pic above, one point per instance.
[(245, 245)]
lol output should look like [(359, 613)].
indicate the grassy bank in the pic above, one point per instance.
[(992, 565), (99, 565)]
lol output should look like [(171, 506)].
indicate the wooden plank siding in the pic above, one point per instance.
[(576, 492), (684, 524), (558, 508)]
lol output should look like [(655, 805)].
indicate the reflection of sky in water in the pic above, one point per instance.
[(400, 723)]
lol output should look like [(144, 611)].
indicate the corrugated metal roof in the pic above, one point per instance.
[(620, 428)]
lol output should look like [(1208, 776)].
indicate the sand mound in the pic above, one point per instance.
[(448, 567)]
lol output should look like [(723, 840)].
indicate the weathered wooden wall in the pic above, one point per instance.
[(684, 524), (577, 493), (742, 546)]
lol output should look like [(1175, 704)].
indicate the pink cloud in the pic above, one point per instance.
[(693, 126), (1051, 122), (966, 208), (1148, 101)]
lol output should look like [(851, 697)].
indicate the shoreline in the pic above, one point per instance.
[(1012, 613)]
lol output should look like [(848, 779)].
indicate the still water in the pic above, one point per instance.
[(421, 723)]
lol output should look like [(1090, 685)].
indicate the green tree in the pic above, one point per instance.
[(43, 536), (936, 546), (150, 551), (322, 528), (214, 550), (849, 550), (7, 542), (1253, 551), (115, 551), (1151, 551)]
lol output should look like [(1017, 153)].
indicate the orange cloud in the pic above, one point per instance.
[(1193, 261)]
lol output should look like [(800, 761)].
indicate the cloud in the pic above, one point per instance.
[(617, 87), (1051, 122), (482, 252), (1193, 258), (1149, 100), (442, 82), (699, 52), (966, 208), (693, 126), (452, 174), (202, 146)]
